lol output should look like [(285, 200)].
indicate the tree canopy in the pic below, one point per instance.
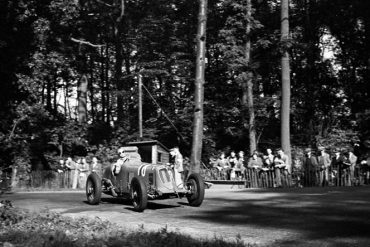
[(48, 48)]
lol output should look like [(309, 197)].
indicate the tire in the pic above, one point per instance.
[(93, 189), (196, 186), (138, 194)]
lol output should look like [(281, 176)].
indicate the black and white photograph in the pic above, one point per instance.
[(184, 123)]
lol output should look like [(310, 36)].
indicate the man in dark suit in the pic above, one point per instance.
[(310, 166), (337, 164)]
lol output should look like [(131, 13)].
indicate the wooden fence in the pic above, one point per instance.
[(250, 178), (253, 178), (46, 180)]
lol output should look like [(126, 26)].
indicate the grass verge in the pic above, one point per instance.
[(45, 228)]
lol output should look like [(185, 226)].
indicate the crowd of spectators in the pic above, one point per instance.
[(317, 167), (75, 172)]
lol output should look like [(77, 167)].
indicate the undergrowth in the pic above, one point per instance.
[(45, 228)]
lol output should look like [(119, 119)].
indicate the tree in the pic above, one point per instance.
[(285, 79), (247, 84), (196, 151)]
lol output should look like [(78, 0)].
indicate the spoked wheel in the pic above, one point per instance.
[(138, 194), (196, 186), (93, 189)]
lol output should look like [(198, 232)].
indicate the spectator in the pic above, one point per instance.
[(61, 167), (222, 162), (324, 162), (310, 166), (223, 166), (352, 160), (337, 163), (298, 171), (239, 165), (73, 167), (84, 170), (281, 165), (96, 166), (242, 162), (365, 169), (232, 160), (255, 162), (269, 159)]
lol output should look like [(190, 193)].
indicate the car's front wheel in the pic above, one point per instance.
[(138, 193), (93, 189), (196, 186)]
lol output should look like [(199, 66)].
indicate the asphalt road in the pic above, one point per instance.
[(279, 217)]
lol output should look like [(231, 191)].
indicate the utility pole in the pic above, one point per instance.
[(140, 85)]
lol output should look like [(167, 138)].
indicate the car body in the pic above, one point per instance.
[(141, 181)]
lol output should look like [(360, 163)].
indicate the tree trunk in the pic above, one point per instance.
[(118, 80), (248, 83), (285, 81), (119, 60), (91, 89), (196, 152), (107, 87), (48, 95), (82, 99), (102, 83), (55, 96)]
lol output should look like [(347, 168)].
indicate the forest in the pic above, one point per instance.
[(70, 70)]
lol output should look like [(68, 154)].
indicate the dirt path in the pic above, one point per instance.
[(295, 217)]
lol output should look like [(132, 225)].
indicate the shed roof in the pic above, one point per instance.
[(148, 142)]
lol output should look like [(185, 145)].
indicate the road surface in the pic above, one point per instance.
[(294, 217)]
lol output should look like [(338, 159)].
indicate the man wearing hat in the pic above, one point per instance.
[(310, 166), (281, 165), (337, 164), (352, 160), (324, 164)]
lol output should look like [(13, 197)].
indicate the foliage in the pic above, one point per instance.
[(9, 215), (52, 229), (47, 46)]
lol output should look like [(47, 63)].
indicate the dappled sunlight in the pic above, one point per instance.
[(313, 213)]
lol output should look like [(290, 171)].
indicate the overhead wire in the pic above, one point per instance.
[(164, 113)]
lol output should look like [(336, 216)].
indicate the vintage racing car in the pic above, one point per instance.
[(141, 181)]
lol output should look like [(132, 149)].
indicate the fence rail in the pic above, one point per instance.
[(251, 178), (254, 178)]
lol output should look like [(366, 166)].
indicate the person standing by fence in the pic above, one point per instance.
[(269, 167), (282, 166), (352, 158), (222, 164), (96, 166), (84, 170), (240, 165), (232, 160), (255, 164), (337, 163), (73, 170), (310, 166), (324, 165)]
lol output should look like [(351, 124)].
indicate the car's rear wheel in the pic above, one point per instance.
[(138, 193), (196, 186), (93, 189)]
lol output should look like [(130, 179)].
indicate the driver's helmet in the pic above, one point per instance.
[(121, 150)]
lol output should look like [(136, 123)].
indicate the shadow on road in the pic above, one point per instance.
[(317, 213)]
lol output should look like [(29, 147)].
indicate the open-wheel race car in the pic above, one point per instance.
[(140, 182)]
